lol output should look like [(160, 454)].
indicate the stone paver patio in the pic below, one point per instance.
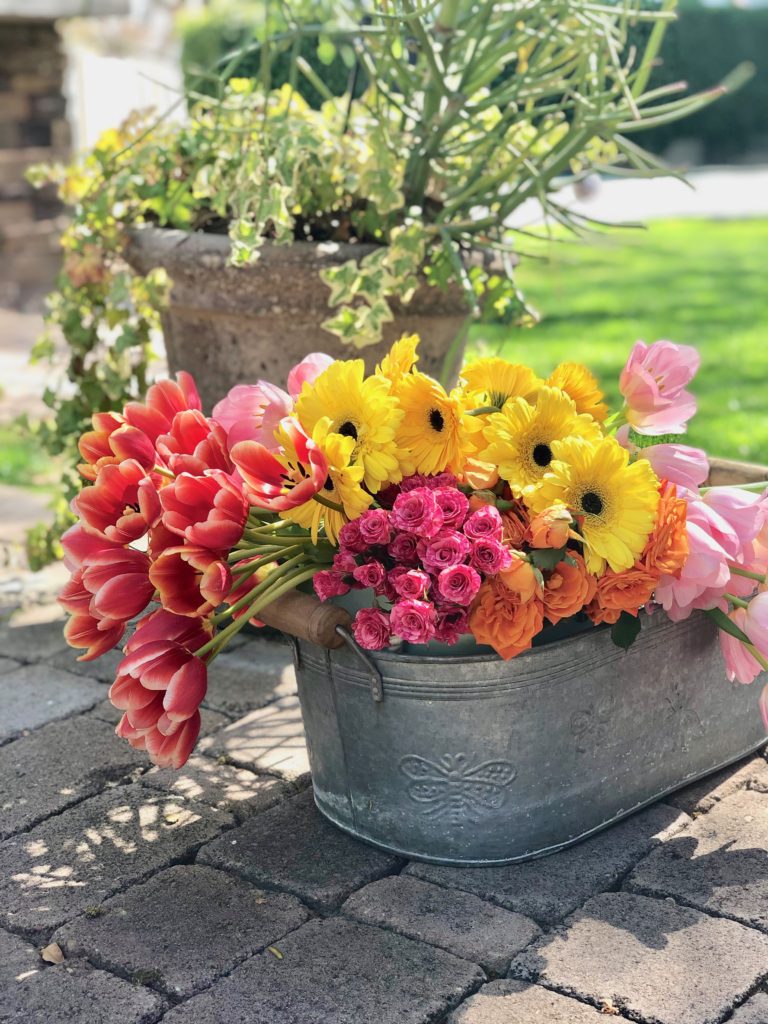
[(218, 895)]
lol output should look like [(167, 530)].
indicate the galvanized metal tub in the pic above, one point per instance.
[(477, 761)]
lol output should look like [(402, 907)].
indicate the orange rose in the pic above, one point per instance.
[(521, 577), (568, 589), (619, 592), (551, 528), (515, 525), (501, 619), (480, 475), (667, 547)]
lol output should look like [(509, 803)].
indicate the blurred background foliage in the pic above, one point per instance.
[(700, 48)]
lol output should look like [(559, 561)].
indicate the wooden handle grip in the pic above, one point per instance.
[(304, 616)]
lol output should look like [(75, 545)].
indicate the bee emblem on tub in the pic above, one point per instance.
[(455, 788)]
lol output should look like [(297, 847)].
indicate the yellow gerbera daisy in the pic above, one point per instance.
[(431, 434), (615, 501), (493, 381), (519, 439), (400, 359), (342, 487), (362, 409), (582, 386)]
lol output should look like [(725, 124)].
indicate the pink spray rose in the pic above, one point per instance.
[(459, 584), (371, 629), (351, 539), (450, 623), (448, 548), (404, 549), (409, 583), (329, 583), (486, 522), (374, 527), (418, 512), (489, 556), (413, 621), (454, 506), (653, 385), (370, 574)]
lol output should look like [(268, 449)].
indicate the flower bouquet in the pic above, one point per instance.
[(498, 511)]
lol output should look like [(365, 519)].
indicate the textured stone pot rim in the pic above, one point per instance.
[(174, 246)]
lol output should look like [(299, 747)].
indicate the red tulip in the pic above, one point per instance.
[(164, 400), (96, 635), (160, 684), (121, 505), (208, 511), (166, 751), (94, 444), (79, 543), (284, 480), (194, 444), (119, 582), (190, 581)]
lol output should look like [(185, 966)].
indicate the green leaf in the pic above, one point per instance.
[(547, 558), (727, 624), (626, 630)]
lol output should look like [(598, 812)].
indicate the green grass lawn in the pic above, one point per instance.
[(701, 283)]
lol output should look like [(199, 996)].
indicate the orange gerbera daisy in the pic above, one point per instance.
[(619, 592), (501, 619), (569, 588), (667, 547)]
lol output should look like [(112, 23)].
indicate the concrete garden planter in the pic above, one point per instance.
[(228, 325), (468, 759)]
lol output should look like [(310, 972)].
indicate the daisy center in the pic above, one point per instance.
[(542, 455), (592, 503), (436, 420), (348, 429)]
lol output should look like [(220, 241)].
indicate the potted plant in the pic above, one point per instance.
[(511, 516), (286, 228)]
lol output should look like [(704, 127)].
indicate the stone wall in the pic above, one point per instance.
[(33, 129)]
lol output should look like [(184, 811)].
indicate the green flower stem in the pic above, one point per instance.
[(263, 549), (738, 571), (248, 568), (738, 602), (755, 488), (260, 587), (618, 419), (483, 409), (763, 662), (277, 589), (321, 500)]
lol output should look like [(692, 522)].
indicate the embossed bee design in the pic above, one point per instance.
[(455, 789), (591, 726)]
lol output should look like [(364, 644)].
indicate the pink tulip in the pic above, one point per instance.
[(740, 665), (653, 385), (744, 512), (307, 372), (705, 575), (756, 623), (252, 412)]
